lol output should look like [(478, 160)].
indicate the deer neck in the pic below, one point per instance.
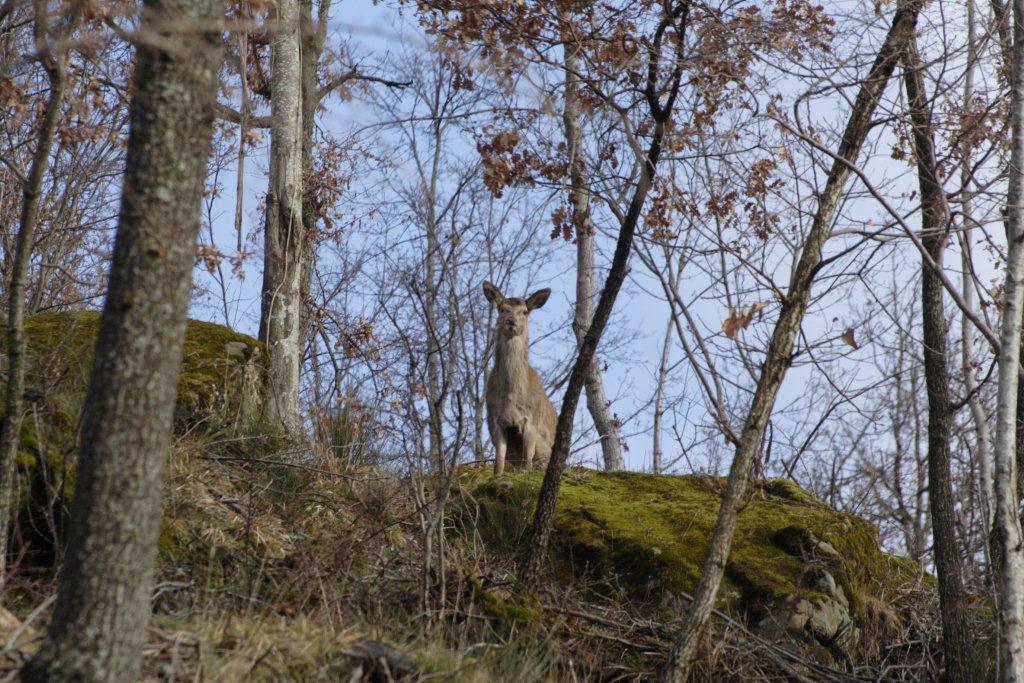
[(512, 360)]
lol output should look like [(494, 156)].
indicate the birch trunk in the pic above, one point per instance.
[(780, 347), (579, 198), (659, 398), (1007, 519), (99, 619), (281, 305), (979, 415), (935, 220), (10, 430)]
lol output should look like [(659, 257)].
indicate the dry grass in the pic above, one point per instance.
[(275, 566)]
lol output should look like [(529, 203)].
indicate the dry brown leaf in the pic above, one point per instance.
[(740, 320), (848, 338)]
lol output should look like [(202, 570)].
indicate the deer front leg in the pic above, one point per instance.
[(500, 446), (529, 447)]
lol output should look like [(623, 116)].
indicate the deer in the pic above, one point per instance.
[(520, 417)]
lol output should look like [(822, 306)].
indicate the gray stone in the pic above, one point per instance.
[(381, 661), (822, 620), (238, 349)]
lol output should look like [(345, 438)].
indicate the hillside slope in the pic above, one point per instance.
[(799, 571), (283, 564)]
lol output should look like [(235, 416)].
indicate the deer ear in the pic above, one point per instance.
[(492, 293), (538, 299)]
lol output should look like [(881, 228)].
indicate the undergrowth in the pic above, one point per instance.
[(282, 561)]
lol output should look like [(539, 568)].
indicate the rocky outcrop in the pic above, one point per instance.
[(822, 619), (221, 386), (800, 573)]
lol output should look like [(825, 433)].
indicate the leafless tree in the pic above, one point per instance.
[(102, 606), (780, 347), (54, 61), (1007, 519)]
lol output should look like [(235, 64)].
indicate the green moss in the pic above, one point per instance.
[(220, 385), (61, 345), (508, 615), (788, 489), (648, 534)]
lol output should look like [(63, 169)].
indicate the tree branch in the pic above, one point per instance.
[(356, 75)]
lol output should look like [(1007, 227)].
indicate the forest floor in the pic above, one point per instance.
[(282, 564)]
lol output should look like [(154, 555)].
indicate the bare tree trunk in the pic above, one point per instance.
[(1007, 519), (659, 399), (983, 445), (1001, 17), (10, 430), (243, 130), (532, 554), (579, 198), (780, 347), (281, 309), (314, 34), (432, 279), (479, 453), (99, 619), (935, 220)]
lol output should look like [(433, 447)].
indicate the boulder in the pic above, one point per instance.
[(221, 386), (799, 571)]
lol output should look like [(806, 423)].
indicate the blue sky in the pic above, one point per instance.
[(377, 31)]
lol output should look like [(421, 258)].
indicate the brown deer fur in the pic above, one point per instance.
[(520, 416)]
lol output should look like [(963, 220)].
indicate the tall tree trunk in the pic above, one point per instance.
[(780, 347), (99, 618), (659, 399), (10, 430), (314, 33), (532, 553), (432, 280), (1007, 519), (979, 415), (586, 271), (1001, 17), (935, 220), (283, 251)]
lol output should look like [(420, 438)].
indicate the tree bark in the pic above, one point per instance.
[(979, 414), (532, 554), (659, 399), (935, 220), (1007, 519), (99, 619), (579, 198), (430, 178), (283, 251), (313, 36), (10, 430), (780, 347)]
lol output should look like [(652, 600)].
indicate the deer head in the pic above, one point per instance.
[(514, 313)]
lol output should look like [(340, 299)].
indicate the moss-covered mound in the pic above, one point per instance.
[(216, 363), (220, 384), (797, 566), (220, 379)]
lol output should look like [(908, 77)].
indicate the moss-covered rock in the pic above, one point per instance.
[(221, 376), (220, 384), (795, 563)]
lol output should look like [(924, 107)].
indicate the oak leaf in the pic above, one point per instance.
[(848, 338), (740, 319)]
